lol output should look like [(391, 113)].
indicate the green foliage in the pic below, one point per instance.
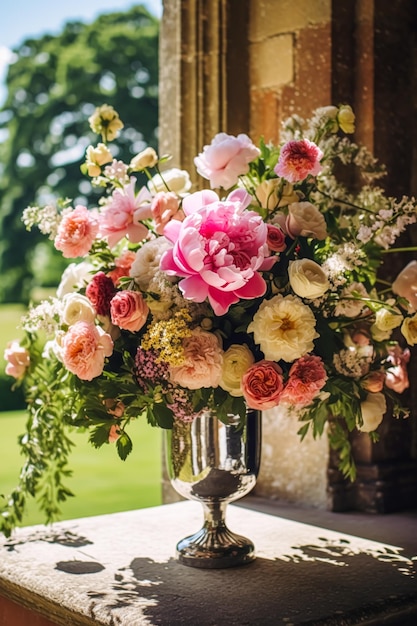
[(113, 60)]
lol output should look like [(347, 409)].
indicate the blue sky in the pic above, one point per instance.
[(23, 18)]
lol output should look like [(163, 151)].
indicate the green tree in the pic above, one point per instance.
[(54, 84)]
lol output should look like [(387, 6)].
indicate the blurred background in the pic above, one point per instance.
[(57, 63)]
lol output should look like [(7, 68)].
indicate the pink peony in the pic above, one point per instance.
[(262, 385), (128, 310), (100, 291), (18, 359), (298, 159), (225, 159), (164, 208), (397, 375), (219, 249), (123, 215), (307, 377), (84, 348), (202, 365), (76, 232)]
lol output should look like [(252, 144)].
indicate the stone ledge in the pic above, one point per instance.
[(121, 570)]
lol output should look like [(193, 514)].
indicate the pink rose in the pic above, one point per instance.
[(307, 377), (275, 238), (225, 159), (203, 357), (298, 159), (76, 232), (100, 291), (84, 349), (219, 249), (262, 385), (405, 285), (18, 359), (128, 310), (114, 433), (164, 208), (123, 215), (397, 375)]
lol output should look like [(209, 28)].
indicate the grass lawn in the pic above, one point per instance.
[(101, 482)]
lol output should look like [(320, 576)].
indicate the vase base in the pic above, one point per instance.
[(214, 550)]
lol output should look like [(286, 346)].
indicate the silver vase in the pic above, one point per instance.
[(215, 464)]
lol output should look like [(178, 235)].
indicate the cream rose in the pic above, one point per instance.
[(409, 330), (146, 158), (388, 319), (271, 196), (146, 264), (96, 157), (75, 276), (307, 279), (175, 179), (306, 220), (77, 308), (236, 361), (346, 119), (284, 328), (372, 409)]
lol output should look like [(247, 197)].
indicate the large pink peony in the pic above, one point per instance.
[(124, 214), (76, 232), (84, 348), (225, 159), (219, 250), (298, 159)]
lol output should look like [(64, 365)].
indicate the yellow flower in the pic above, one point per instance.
[(236, 361), (271, 195), (346, 119), (284, 327), (167, 336), (409, 330), (105, 121), (146, 158), (96, 157)]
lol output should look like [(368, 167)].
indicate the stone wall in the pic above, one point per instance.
[(244, 66)]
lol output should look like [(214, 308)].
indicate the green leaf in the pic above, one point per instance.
[(124, 445)]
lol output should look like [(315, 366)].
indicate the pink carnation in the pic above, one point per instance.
[(203, 358), (225, 159), (128, 310), (18, 359), (307, 377), (76, 232), (165, 207), (262, 385), (298, 159), (123, 215), (100, 291), (219, 249), (84, 349)]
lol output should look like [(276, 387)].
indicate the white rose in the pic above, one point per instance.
[(73, 278), (307, 279), (175, 179), (236, 361), (387, 319), (77, 308), (373, 409), (146, 158)]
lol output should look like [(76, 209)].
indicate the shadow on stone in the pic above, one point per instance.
[(79, 567)]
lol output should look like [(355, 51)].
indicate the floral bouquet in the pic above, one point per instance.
[(263, 293)]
